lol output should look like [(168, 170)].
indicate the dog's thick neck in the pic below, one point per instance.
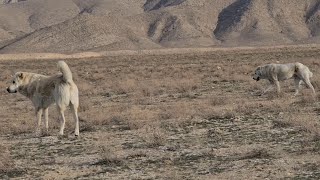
[(263, 74), (25, 88), (30, 77)]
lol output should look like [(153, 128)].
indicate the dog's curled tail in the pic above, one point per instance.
[(65, 70)]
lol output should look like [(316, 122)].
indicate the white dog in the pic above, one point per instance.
[(280, 72), (46, 90)]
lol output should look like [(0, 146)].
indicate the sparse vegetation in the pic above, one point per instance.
[(168, 116), (7, 165)]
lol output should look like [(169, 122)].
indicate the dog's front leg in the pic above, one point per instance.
[(267, 89), (278, 86), (38, 119), (46, 118), (297, 83)]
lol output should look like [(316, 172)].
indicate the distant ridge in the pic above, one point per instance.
[(69, 26)]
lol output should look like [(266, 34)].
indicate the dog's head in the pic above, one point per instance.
[(257, 74), (16, 82)]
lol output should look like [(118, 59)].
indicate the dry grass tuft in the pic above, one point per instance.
[(307, 122), (124, 86), (84, 106), (22, 127), (85, 88), (280, 123), (154, 136), (306, 98), (247, 108), (255, 154), (315, 81), (219, 113), (272, 95), (109, 157), (6, 162), (219, 101), (277, 106)]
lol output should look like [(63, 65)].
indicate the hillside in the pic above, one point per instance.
[(73, 25)]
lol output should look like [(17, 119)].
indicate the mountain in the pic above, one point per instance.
[(96, 25)]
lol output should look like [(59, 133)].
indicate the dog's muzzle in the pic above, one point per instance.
[(257, 79), (9, 91)]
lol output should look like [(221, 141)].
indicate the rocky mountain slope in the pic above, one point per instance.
[(95, 25)]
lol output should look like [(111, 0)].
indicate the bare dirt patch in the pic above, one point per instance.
[(173, 116)]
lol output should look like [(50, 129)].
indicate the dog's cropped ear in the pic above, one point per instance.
[(258, 68), (20, 75)]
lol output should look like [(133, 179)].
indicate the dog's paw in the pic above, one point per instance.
[(76, 132)]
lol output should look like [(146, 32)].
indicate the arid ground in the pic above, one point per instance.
[(171, 116)]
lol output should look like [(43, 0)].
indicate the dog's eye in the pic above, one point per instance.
[(13, 82)]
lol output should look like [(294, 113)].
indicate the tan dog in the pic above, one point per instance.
[(46, 90), (280, 72)]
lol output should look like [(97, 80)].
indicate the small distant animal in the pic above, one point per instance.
[(281, 72), (45, 90)]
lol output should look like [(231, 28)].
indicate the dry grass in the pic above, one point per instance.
[(154, 136), (307, 98), (109, 157), (171, 116), (305, 121), (219, 101), (6, 162)]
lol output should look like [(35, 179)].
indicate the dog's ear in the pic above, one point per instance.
[(258, 68), (20, 75)]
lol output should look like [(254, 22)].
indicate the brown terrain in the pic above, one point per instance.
[(172, 116), (98, 25), (165, 89)]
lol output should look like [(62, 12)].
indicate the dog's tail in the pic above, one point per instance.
[(65, 70)]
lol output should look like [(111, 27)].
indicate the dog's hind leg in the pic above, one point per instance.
[(297, 83), (62, 99), (62, 120), (306, 80), (310, 86), (305, 77), (74, 103), (38, 118), (74, 109)]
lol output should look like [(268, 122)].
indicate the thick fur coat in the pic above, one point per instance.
[(281, 72), (46, 90)]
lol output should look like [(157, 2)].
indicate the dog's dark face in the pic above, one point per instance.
[(257, 74), (16, 82)]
